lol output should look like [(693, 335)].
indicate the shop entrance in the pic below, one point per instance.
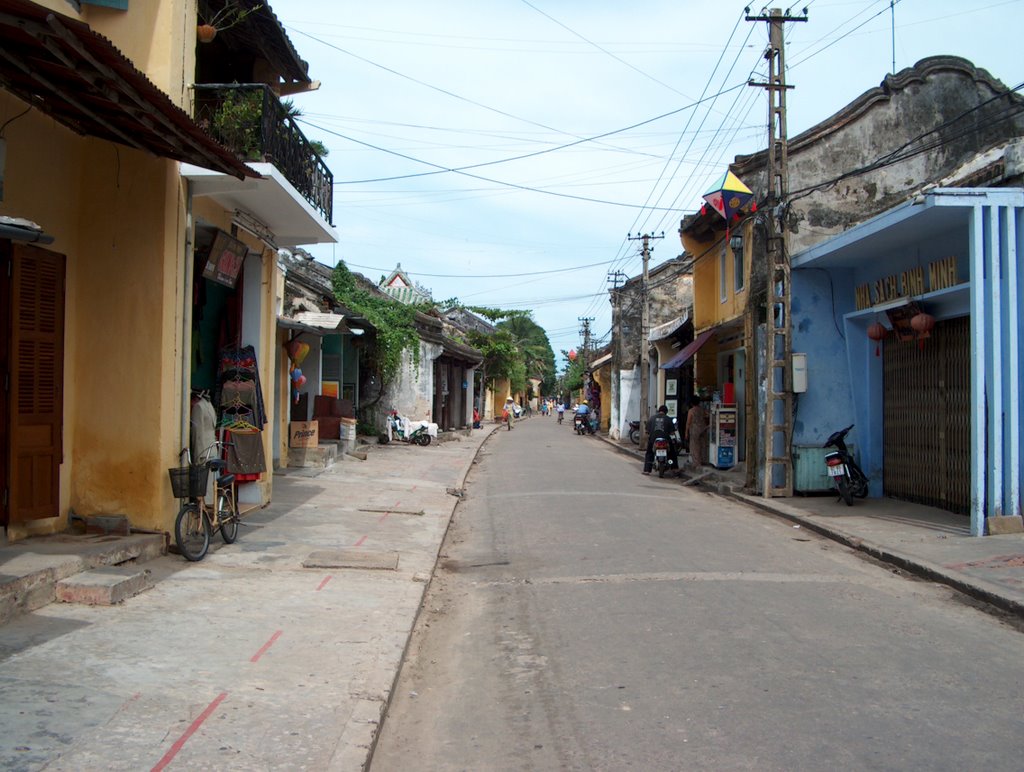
[(227, 399), (32, 357), (927, 426)]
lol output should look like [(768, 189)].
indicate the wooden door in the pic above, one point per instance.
[(5, 369), (36, 382)]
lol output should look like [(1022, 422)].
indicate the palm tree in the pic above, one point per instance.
[(532, 342)]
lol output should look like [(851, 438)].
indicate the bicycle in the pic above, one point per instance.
[(197, 521)]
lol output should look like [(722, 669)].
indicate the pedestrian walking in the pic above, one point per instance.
[(696, 428)]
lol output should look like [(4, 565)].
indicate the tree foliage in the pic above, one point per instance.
[(572, 377), (534, 347)]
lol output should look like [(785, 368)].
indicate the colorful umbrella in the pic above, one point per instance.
[(728, 196)]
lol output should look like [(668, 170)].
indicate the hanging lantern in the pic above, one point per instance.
[(877, 333), (922, 324), (572, 355)]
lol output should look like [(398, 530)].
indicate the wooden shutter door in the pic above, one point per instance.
[(37, 372)]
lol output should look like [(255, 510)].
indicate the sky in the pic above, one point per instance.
[(504, 151)]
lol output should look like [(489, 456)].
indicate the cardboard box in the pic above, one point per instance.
[(303, 434)]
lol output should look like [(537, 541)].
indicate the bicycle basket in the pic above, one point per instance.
[(189, 481)]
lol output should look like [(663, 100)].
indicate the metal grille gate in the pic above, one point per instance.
[(927, 418)]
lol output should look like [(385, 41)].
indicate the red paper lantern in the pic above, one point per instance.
[(877, 333), (922, 324), (572, 355)]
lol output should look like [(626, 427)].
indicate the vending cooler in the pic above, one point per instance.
[(722, 436)]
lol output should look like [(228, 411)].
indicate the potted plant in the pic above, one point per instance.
[(227, 17)]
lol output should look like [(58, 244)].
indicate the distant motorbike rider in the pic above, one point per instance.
[(660, 426), (583, 414)]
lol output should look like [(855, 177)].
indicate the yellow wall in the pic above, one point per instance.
[(708, 307), (603, 377), (119, 216)]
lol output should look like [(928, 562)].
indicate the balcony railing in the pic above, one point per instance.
[(250, 120)]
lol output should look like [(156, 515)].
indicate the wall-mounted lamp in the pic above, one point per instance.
[(736, 243)]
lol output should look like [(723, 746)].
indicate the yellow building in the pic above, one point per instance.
[(721, 290), (111, 198)]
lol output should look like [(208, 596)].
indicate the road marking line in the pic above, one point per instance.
[(255, 657), (361, 540), (324, 583), (169, 756)]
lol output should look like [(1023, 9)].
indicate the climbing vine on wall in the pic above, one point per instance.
[(395, 323)]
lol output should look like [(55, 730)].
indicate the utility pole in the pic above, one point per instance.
[(615, 401), (645, 328), (778, 415), (585, 332)]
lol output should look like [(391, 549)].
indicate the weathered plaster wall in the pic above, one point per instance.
[(820, 298), (411, 394), (907, 105), (671, 294)]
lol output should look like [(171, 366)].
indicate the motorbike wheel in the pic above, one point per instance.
[(423, 440), (844, 490), (661, 470), (634, 436), (859, 483), (383, 439)]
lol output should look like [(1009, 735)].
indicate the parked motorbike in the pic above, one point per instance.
[(579, 424), (401, 428), (846, 475), (634, 432), (662, 455)]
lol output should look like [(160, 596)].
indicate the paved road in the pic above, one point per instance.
[(587, 617)]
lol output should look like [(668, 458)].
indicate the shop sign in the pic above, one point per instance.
[(909, 283), (224, 262)]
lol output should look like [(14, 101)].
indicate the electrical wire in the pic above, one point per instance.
[(545, 151), (482, 276), (603, 50)]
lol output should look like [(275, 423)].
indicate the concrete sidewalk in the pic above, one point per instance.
[(277, 652), (925, 541)]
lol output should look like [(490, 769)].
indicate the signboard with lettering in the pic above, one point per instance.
[(910, 283), (224, 262)]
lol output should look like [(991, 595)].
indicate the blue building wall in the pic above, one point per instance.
[(820, 300)]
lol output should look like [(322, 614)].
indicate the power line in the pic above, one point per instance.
[(481, 275), (603, 50), (491, 180), (545, 151)]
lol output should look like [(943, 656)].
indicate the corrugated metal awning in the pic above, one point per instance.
[(684, 355), (59, 66)]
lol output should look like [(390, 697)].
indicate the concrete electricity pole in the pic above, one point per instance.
[(615, 401), (585, 332), (778, 415), (645, 328)]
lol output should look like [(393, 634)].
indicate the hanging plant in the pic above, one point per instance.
[(230, 15)]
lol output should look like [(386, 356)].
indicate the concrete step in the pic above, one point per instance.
[(31, 569), (321, 457), (103, 586)]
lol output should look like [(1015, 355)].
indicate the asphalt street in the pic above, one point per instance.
[(587, 617)]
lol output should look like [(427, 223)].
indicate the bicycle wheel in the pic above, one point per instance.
[(227, 514), (192, 532)]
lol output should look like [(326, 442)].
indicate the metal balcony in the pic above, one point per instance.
[(250, 120)]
